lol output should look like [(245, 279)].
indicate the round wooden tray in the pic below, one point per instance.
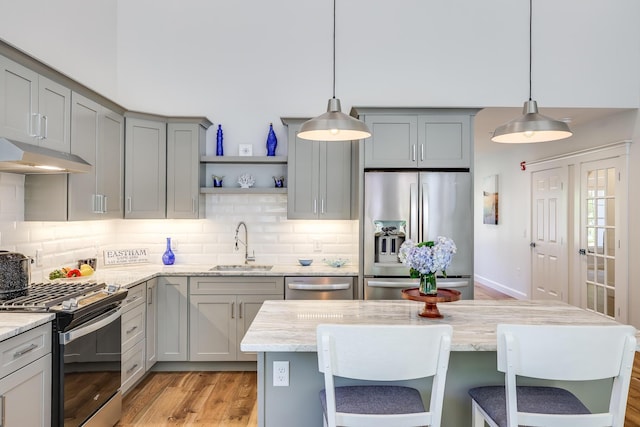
[(430, 301)]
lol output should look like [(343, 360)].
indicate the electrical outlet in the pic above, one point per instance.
[(38, 257), (317, 246), (281, 373)]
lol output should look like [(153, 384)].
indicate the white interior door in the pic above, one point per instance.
[(549, 235), (603, 240)]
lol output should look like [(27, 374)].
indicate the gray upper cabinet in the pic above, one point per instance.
[(97, 137), (33, 108), (418, 138), (319, 175), (185, 146), (145, 168)]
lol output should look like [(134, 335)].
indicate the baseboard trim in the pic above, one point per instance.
[(499, 287)]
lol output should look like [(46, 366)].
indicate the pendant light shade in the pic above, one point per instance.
[(531, 126), (334, 125)]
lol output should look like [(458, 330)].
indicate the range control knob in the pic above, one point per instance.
[(70, 304)]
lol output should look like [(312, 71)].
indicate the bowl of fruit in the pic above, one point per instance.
[(70, 273)]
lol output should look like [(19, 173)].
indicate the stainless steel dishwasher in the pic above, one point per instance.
[(318, 287)]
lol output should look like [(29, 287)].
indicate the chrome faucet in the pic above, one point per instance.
[(247, 258)]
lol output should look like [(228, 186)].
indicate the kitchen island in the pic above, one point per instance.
[(286, 331)]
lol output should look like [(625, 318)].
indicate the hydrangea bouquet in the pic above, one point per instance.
[(425, 259)]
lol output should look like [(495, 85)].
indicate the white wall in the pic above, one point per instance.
[(77, 37)]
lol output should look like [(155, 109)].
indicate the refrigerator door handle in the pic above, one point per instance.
[(424, 210), (413, 213)]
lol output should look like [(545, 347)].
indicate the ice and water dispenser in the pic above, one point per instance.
[(389, 236)]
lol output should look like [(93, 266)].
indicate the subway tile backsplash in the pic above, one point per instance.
[(274, 238)]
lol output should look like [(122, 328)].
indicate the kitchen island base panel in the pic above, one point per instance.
[(299, 403)]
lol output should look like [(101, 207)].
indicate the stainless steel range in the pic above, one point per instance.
[(86, 347)]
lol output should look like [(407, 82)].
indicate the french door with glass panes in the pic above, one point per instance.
[(603, 238)]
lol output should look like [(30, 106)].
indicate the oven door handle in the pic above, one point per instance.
[(92, 326), (323, 287)]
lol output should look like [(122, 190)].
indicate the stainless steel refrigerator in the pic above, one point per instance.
[(419, 206)]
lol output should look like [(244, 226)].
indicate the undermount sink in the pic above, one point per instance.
[(241, 267)]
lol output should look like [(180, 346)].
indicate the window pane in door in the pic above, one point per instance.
[(602, 183), (591, 183), (611, 302), (610, 246), (600, 299), (610, 212), (611, 272), (590, 296), (611, 182), (591, 271)]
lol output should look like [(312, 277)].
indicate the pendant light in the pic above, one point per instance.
[(334, 125), (531, 126)]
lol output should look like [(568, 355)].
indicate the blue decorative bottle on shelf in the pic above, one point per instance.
[(168, 258), (219, 137), (272, 141)]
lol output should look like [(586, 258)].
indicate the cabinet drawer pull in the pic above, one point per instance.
[(322, 206), (129, 204), (315, 206), (240, 311), (104, 204), (2, 406), (233, 305), (24, 351), (413, 153), (422, 152), (132, 299), (133, 368), (149, 296), (35, 118), (131, 330)]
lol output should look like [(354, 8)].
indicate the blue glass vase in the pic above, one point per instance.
[(272, 141), (168, 258), (219, 137)]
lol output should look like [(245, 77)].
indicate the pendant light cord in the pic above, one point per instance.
[(334, 49), (530, 44)]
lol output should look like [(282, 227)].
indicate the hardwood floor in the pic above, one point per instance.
[(193, 399), (228, 399)]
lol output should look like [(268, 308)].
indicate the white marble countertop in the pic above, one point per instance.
[(290, 326), (132, 275), (12, 324)]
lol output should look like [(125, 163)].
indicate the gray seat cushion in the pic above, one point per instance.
[(375, 400), (541, 400)]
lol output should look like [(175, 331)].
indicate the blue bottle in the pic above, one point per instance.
[(219, 137), (272, 141), (168, 258)]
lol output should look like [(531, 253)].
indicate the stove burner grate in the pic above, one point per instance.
[(43, 296)]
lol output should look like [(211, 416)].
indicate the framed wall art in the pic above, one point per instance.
[(490, 198)]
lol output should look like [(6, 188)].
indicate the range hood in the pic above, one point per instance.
[(18, 157)]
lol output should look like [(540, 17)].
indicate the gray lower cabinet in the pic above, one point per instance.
[(185, 146), (33, 108), (172, 319), (25, 378), (319, 176), (145, 176), (221, 310), (401, 138), (98, 138), (151, 336), (133, 336)]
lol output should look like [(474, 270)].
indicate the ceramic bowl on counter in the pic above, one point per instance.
[(305, 261)]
